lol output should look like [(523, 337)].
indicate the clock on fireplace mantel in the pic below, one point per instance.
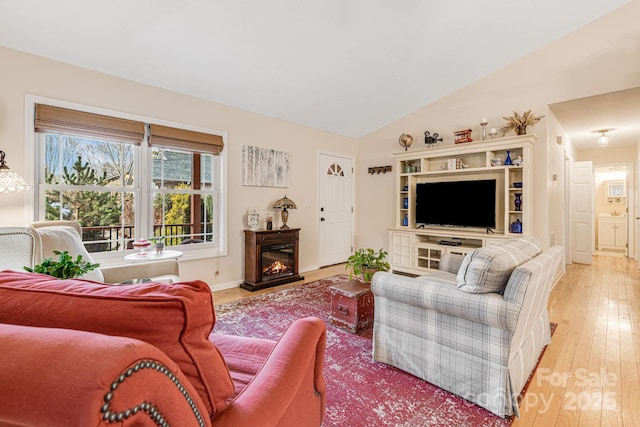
[(270, 258)]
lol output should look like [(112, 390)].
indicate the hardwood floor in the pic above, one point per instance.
[(589, 375)]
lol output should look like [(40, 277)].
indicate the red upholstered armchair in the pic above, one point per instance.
[(79, 353)]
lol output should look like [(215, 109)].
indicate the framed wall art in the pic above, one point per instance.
[(264, 167)]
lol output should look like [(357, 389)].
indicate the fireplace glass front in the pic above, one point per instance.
[(277, 261)]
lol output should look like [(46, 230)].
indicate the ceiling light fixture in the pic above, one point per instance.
[(10, 182), (603, 139)]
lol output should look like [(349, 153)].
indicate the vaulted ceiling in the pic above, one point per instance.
[(348, 67)]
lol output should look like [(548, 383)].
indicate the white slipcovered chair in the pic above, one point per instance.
[(65, 235), (19, 247)]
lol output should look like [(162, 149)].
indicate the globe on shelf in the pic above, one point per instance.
[(405, 141)]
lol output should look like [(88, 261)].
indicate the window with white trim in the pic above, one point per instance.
[(123, 180)]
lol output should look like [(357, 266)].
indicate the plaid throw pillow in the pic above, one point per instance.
[(487, 269)]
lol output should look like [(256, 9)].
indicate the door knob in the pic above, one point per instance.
[(321, 219)]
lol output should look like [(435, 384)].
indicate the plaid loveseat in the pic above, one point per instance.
[(477, 332)]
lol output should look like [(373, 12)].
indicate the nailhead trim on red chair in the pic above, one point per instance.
[(149, 408)]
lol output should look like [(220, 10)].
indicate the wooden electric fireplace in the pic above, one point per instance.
[(270, 258)]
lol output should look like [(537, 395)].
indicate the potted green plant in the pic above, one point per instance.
[(65, 267), (159, 242), (365, 262)]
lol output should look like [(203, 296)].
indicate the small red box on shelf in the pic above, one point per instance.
[(463, 136)]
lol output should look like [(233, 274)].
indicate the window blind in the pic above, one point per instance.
[(169, 137), (64, 120)]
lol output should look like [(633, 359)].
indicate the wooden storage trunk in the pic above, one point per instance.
[(351, 306)]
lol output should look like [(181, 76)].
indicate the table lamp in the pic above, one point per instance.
[(284, 204), (10, 182)]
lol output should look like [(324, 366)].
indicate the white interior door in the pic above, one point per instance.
[(582, 223), (335, 235)]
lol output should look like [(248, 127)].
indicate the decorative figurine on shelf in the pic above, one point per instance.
[(517, 161), (516, 226), (518, 201), (463, 136), (405, 141), (431, 139), (253, 219)]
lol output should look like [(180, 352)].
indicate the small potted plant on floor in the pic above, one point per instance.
[(65, 267), (365, 262)]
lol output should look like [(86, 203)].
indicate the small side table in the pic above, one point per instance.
[(153, 256), (351, 306)]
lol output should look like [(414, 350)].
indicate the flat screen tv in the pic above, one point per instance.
[(456, 203)]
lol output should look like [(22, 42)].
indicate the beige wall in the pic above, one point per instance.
[(22, 74), (534, 82)]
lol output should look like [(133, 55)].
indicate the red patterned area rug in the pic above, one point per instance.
[(360, 392)]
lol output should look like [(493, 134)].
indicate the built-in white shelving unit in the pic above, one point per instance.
[(415, 250)]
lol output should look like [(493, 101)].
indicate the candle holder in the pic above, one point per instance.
[(493, 133), (484, 124)]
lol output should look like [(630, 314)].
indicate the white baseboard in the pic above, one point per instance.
[(228, 285), (309, 268)]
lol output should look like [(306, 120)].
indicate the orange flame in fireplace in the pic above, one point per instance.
[(276, 268)]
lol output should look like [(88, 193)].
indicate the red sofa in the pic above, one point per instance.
[(80, 353)]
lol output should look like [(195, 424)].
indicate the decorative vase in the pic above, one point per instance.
[(405, 203), (516, 226), (508, 161), (159, 248), (253, 219), (518, 201), (141, 245), (269, 225), (405, 221)]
